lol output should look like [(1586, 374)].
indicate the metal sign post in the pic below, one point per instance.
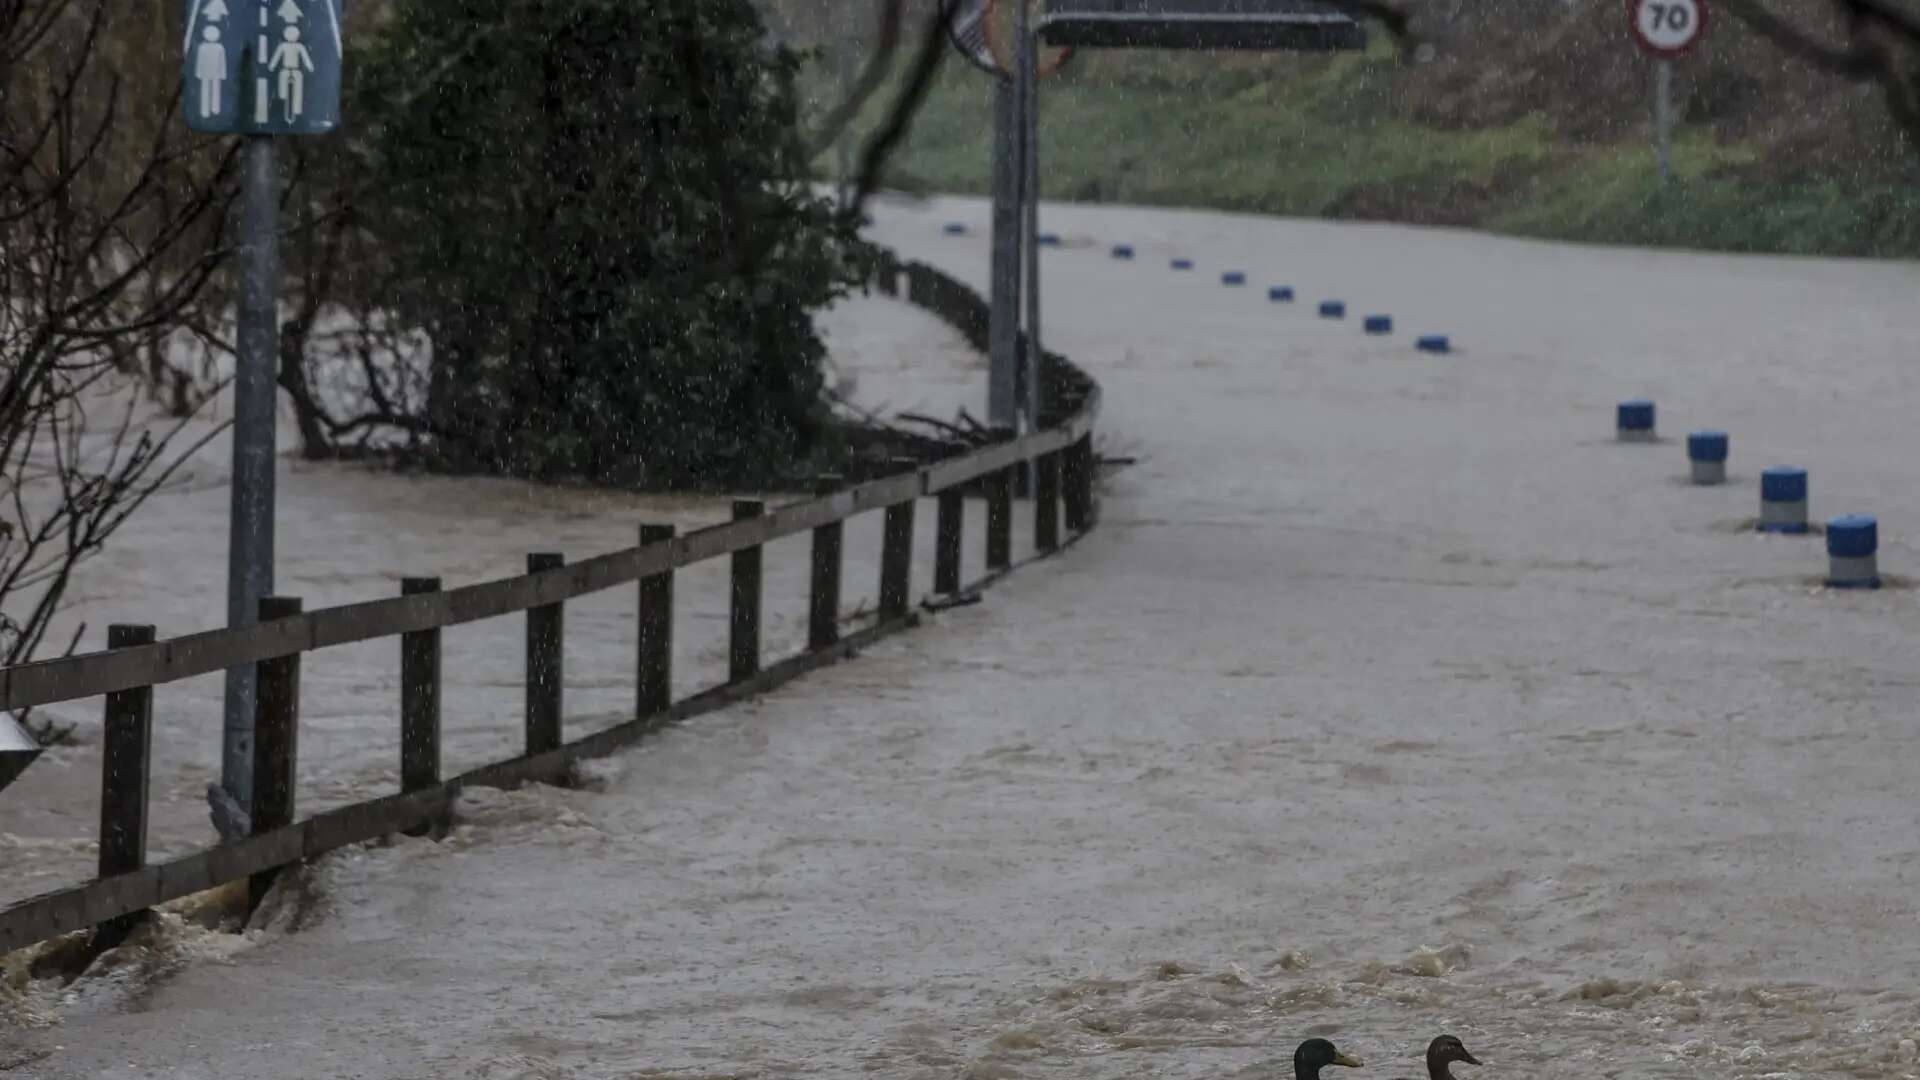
[(1027, 77), (1666, 30), (1663, 118), (256, 68), (1003, 318)]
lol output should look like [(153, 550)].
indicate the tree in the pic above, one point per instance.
[(597, 214), (110, 230)]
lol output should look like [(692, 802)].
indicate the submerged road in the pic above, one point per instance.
[(1392, 696)]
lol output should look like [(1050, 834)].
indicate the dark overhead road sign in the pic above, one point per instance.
[(1268, 25)]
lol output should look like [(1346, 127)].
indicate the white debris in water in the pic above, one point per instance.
[(1431, 963)]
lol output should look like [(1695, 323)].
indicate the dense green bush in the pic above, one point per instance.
[(596, 211)]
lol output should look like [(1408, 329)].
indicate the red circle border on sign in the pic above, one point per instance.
[(1042, 70), (1633, 25)]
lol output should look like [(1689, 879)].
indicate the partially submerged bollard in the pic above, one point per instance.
[(1233, 277), (1123, 251), (1853, 547), (1378, 324), (1183, 264), (1783, 499), (1707, 453), (1434, 343), (1634, 420), (1281, 294), (1333, 309)]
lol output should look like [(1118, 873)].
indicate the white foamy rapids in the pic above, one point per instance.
[(1178, 1022), (484, 814)]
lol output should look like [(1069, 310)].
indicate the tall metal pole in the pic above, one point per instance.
[(846, 73), (250, 542), (1663, 114), (1030, 198), (1003, 322)]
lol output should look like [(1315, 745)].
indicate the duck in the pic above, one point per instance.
[(1316, 1054), (1442, 1052)]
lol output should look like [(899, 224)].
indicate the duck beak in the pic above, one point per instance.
[(1466, 1055), (1348, 1060)]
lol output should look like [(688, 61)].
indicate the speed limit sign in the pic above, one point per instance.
[(1668, 29)]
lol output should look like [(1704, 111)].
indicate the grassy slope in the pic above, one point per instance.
[(1327, 138)]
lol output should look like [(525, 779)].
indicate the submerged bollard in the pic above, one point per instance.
[(1281, 294), (1333, 309), (1434, 343), (1183, 264), (1635, 420), (1123, 251), (1379, 324), (1853, 546), (1783, 499), (1233, 277), (955, 228), (1707, 452)]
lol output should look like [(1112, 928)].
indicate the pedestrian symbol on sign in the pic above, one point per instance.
[(210, 66)]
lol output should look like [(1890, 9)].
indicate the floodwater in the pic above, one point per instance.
[(1392, 697)]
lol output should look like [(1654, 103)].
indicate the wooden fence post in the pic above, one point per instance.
[(823, 598), (1000, 519), (126, 744), (653, 672), (948, 526), (743, 637), (1078, 495), (276, 740), (1046, 502), (896, 561), (419, 698), (546, 630)]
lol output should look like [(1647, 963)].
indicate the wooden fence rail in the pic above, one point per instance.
[(135, 662)]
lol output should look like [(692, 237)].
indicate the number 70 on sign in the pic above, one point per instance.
[(1667, 28)]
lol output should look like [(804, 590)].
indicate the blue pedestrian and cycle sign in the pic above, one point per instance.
[(263, 67)]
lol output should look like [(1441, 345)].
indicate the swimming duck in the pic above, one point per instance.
[(1316, 1054), (1443, 1052)]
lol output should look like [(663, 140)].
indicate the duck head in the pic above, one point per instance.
[(1443, 1052), (1316, 1054)]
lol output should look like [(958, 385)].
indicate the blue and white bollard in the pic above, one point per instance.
[(1635, 420), (1853, 548), (1707, 453), (955, 228), (1378, 324), (1281, 294), (1233, 277), (1783, 499), (1333, 309), (1183, 264), (1433, 343), (1123, 251)]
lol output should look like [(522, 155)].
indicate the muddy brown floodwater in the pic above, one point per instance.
[(1392, 697)]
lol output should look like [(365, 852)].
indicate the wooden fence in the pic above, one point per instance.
[(134, 663)]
